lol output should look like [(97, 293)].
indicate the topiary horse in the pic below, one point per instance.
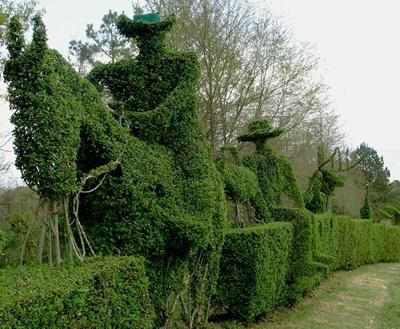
[(154, 190)]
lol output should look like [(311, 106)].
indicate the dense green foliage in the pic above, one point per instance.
[(107, 293), (274, 264), (322, 183), (307, 265), (242, 189), (254, 269), (274, 172), (365, 210), (352, 242), (125, 149), (156, 192)]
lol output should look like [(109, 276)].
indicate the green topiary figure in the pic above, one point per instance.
[(365, 210), (274, 172), (242, 189), (148, 187), (276, 177), (391, 212), (322, 184)]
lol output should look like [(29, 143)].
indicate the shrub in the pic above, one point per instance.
[(107, 293), (254, 269), (3, 242), (306, 269), (391, 244), (353, 243), (155, 189), (365, 210)]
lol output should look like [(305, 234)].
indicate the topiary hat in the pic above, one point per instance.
[(144, 25), (258, 130)]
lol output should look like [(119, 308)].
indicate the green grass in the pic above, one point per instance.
[(366, 298), (389, 318)]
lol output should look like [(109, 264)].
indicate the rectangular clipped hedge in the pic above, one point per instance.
[(254, 268), (355, 242), (107, 293), (268, 265)]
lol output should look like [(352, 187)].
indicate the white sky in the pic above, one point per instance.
[(357, 40)]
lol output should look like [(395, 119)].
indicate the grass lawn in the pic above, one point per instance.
[(366, 298)]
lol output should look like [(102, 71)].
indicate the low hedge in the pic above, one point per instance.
[(106, 293), (307, 266), (355, 242), (254, 268), (273, 264)]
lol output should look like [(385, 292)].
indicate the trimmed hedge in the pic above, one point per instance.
[(307, 266), (354, 242), (254, 269), (273, 264), (107, 293)]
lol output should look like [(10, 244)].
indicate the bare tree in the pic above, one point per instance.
[(251, 65)]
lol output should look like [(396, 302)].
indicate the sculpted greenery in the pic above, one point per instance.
[(274, 172), (122, 166), (155, 189)]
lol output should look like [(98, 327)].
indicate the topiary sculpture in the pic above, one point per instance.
[(274, 172), (365, 210), (276, 177), (147, 188), (242, 189)]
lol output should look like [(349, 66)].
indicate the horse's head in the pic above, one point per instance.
[(46, 117)]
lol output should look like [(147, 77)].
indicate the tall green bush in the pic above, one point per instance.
[(155, 191), (365, 210)]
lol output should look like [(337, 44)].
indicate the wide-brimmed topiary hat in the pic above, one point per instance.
[(144, 25), (258, 130)]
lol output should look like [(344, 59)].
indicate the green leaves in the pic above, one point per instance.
[(103, 293)]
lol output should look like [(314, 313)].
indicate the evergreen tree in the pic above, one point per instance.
[(365, 210), (375, 174)]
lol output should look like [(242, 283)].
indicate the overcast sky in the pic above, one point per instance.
[(357, 41)]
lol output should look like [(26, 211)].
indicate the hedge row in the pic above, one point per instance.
[(354, 242), (274, 264), (307, 266), (107, 293), (254, 269)]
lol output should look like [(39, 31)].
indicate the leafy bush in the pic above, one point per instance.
[(155, 189), (107, 293), (271, 264), (365, 210), (353, 242), (307, 267), (241, 188), (3, 242), (254, 269)]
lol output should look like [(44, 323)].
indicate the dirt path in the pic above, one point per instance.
[(357, 299)]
